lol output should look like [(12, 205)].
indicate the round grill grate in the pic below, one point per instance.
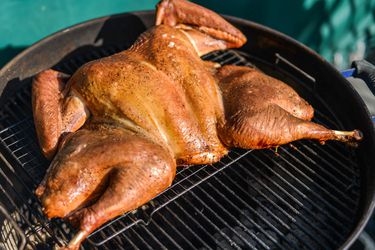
[(300, 196)]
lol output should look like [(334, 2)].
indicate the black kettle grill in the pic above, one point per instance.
[(301, 196)]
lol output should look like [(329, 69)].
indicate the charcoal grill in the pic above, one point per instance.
[(301, 196)]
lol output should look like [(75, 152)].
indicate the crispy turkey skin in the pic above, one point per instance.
[(119, 126)]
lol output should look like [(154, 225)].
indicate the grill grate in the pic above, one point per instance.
[(304, 196)]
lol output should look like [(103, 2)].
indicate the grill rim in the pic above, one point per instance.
[(368, 193)]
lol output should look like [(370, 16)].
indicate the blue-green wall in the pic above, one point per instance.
[(23, 22), (335, 28)]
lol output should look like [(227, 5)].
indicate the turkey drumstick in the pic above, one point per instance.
[(262, 112)]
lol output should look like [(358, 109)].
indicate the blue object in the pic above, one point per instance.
[(348, 72)]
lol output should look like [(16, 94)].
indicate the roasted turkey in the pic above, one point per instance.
[(118, 127)]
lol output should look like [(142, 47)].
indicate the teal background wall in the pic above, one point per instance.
[(340, 30)]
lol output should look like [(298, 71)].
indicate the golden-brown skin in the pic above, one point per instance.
[(152, 107), (161, 88), (263, 112), (84, 169)]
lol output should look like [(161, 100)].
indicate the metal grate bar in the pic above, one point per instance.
[(29, 169), (167, 236), (41, 220), (303, 195), (252, 210), (337, 157), (322, 118), (203, 242), (121, 242), (181, 180), (168, 200), (6, 177), (108, 236), (95, 54), (285, 181), (116, 240), (25, 145), (11, 127), (152, 236), (131, 230), (66, 67), (302, 164), (333, 208), (80, 60), (22, 165), (175, 231), (218, 218), (343, 155), (289, 195), (318, 152), (215, 56), (333, 170), (235, 219), (23, 95), (260, 205), (140, 240), (230, 60), (262, 184), (75, 63), (11, 137), (16, 229), (17, 108), (324, 171), (173, 185), (110, 50), (191, 218), (321, 189), (20, 213), (131, 238), (209, 222)]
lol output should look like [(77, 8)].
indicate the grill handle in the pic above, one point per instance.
[(365, 71), (15, 226), (362, 77)]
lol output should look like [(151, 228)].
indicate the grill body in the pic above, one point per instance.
[(304, 196)]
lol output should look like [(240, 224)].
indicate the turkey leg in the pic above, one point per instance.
[(101, 173), (263, 112)]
